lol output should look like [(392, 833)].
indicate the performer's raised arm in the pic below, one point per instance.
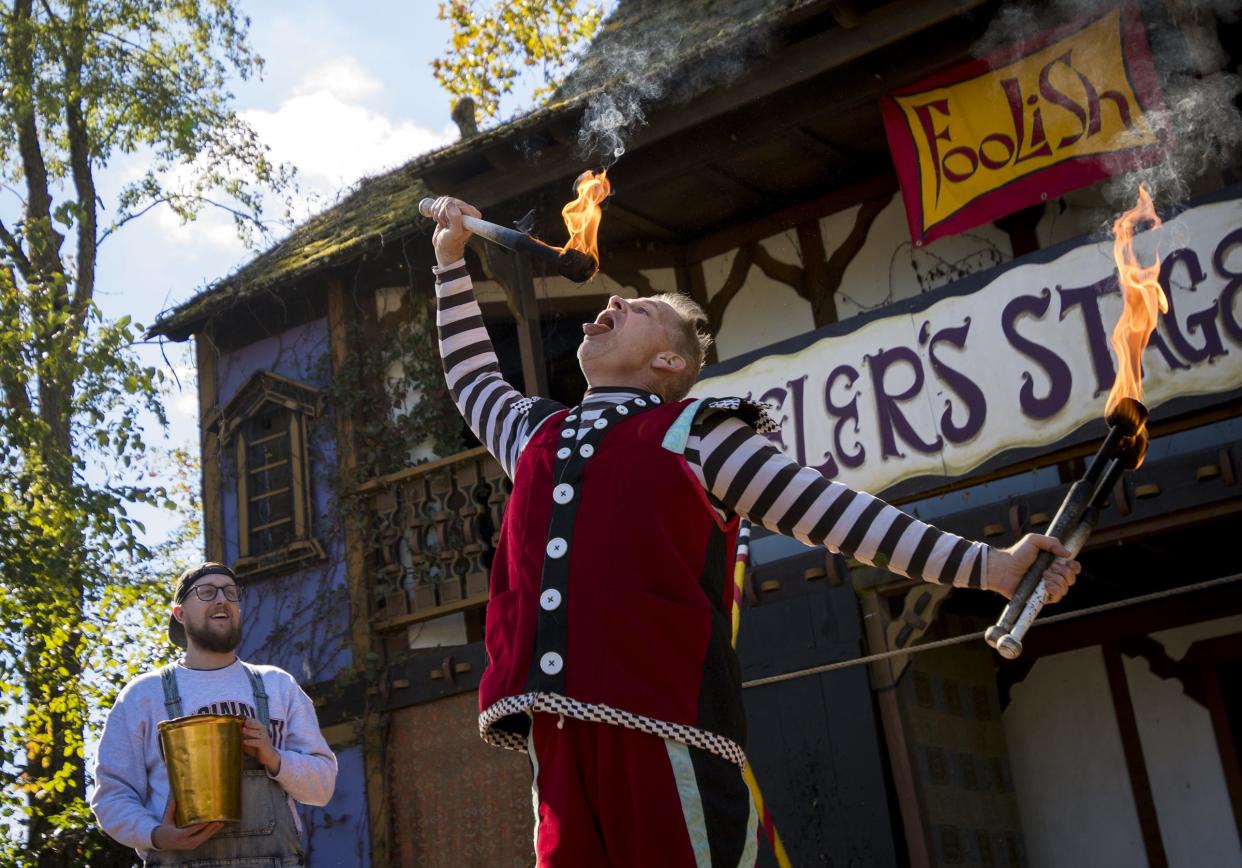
[(498, 414), (748, 475)]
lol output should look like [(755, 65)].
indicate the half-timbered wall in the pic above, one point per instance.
[(1070, 769), (298, 619)]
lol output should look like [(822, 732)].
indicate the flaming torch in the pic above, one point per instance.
[(578, 260), (1126, 443)]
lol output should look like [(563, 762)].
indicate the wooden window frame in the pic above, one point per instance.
[(303, 403)]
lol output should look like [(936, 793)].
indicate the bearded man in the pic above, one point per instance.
[(608, 629), (287, 759)]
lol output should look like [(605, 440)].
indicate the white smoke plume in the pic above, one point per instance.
[(625, 81), (1200, 124)]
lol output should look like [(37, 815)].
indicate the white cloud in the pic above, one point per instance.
[(213, 232), (324, 131), (343, 77), (331, 138)]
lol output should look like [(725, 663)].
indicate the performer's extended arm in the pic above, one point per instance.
[(748, 475), (498, 414)]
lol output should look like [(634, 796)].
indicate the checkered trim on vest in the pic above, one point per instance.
[(756, 414), (554, 703)]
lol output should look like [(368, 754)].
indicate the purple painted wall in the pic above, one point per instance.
[(300, 620)]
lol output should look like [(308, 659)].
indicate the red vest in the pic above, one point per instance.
[(610, 586)]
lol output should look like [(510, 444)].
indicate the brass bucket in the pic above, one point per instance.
[(203, 754)]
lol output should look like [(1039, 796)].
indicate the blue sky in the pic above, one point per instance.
[(347, 91)]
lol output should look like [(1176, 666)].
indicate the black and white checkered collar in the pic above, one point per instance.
[(575, 450)]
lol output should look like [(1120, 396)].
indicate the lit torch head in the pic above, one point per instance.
[(1143, 301), (580, 257)]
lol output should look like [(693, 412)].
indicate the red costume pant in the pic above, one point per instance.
[(610, 797)]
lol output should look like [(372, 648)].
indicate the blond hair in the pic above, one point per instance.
[(691, 341)]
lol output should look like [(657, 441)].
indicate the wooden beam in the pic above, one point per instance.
[(788, 218), (1226, 744), (205, 354), (731, 182), (800, 62), (341, 310), (1132, 746), (529, 328), (845, 12), (640, 221), (814, 146), (902, 770)]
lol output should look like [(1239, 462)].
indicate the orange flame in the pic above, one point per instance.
[(582, 215), (1143, 299)]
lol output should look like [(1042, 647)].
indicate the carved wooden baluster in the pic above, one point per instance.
[(453, 538), (439, 487), (501, 487), (474, 543), (385, 555), (420, 538)]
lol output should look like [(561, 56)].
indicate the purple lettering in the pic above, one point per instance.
[(1088, 298), (843, 413), (1049, 92), (1200, 321), (924, 114), (892, 421), (1230, 292), (1060, 379), (965, 388)]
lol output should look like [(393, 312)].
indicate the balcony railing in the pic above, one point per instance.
[(432, 532)]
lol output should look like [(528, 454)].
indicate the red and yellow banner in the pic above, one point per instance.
[(1032, 121)]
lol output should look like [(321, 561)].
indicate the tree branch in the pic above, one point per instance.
[(80, 165), (14, 248), (44, 240), (12, 379)]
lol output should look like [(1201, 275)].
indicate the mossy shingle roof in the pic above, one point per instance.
[(384, 208)]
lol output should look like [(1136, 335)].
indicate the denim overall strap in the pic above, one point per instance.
[(172, 697), (267, 836), (260, 693)]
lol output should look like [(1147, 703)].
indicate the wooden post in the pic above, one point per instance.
[(209, 447), (363, 642), (529, 329), (1132, 746)]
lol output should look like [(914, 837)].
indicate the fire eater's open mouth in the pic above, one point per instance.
[(603, 323)]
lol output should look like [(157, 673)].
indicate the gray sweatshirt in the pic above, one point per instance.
[(131, 782)]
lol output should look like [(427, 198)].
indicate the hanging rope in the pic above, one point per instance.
[(971, 637)]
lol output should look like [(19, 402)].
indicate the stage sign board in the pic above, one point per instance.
[(1057, 112), (1009, 360)]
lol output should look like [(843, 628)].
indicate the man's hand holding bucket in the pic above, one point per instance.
[(169, 836), (257, 743)]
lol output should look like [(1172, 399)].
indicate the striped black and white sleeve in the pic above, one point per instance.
[(748, 475), (498, 414)]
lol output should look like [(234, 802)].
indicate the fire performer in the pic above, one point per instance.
[(291, 761), (608, 623)]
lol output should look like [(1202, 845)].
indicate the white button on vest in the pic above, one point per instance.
[(557, 547), (551, 663), (639, 402), (571, 418), (563, 452), (623, 410), (550, 600), (655, 399), (601, 423), (563, 493), (587, 450), (568, 432)]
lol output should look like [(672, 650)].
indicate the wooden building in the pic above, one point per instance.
[(762, 185)]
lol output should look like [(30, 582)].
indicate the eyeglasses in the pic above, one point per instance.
[(208, 593)]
